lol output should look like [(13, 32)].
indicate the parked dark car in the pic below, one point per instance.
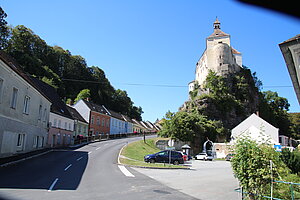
[(164, 157), (229, 156)]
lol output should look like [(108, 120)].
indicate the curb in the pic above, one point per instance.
[(26, 158), (145, 167)]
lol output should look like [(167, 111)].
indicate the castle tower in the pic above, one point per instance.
[(218, 56)]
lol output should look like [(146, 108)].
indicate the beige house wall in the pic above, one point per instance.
[(21, 131)]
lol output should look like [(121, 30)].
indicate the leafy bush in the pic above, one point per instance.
[(291, 159), (251, 166)]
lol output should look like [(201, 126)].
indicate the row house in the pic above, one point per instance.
[(24, 110), (146, 126), (97, 117), (117, 123), (61, 121), (102, 120), (128, 124), (139, 126), (153, 127), (80, 125)]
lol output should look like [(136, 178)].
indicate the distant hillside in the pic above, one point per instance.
[(68, 73)]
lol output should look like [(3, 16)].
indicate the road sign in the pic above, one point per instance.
[(170, 148), (277, 147)]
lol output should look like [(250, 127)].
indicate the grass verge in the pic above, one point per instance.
[(133, 154)]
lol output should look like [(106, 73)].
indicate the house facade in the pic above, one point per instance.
[(24, 111), (80, 125), (61, 130), (60, 120), (137, 127), (97, 117), (257, 129), (291, 52), (128, 124), (117, 123)]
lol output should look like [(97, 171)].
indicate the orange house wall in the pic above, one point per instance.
[(98, 127)]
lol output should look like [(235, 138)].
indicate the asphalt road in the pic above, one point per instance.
[(90, 172), (208, 180)]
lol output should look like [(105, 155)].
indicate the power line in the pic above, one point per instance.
[(161, 85), (132, 84), (278, 86)]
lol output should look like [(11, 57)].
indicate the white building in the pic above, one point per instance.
[(219, 56), (257, 129), (291, 52), (24, 111), (61, 123)]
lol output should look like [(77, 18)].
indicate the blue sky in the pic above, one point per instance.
[(158, 42)]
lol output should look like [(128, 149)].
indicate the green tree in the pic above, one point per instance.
[(273, 109), (191, 127), (4, 29), (136, 113), (83, 94), (66, 72), (28, 49), (295, 125), (291, 159)]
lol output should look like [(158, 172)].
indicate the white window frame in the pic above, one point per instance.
[(14, 97), (20, 141), (26, 104), (45, 115), (35, 142), (40, 112), (40, 142), (1, 89)]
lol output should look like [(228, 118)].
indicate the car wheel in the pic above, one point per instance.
[(176, 162), (152, 161)]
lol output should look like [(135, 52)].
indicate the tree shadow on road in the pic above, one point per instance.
[(67, 167)]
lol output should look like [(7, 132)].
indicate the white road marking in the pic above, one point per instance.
[(79, 158), (52, 185), (125, 171), (90, 152), (70, 165), (98, 148), (105, 144)]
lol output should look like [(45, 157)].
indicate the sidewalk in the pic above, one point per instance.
[(25, 156)]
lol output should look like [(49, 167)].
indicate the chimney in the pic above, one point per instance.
[(257, 113)]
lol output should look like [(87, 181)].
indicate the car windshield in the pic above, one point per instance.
[(99, 96)]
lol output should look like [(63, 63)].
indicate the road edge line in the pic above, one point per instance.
[(119, 163), (52, 185)]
